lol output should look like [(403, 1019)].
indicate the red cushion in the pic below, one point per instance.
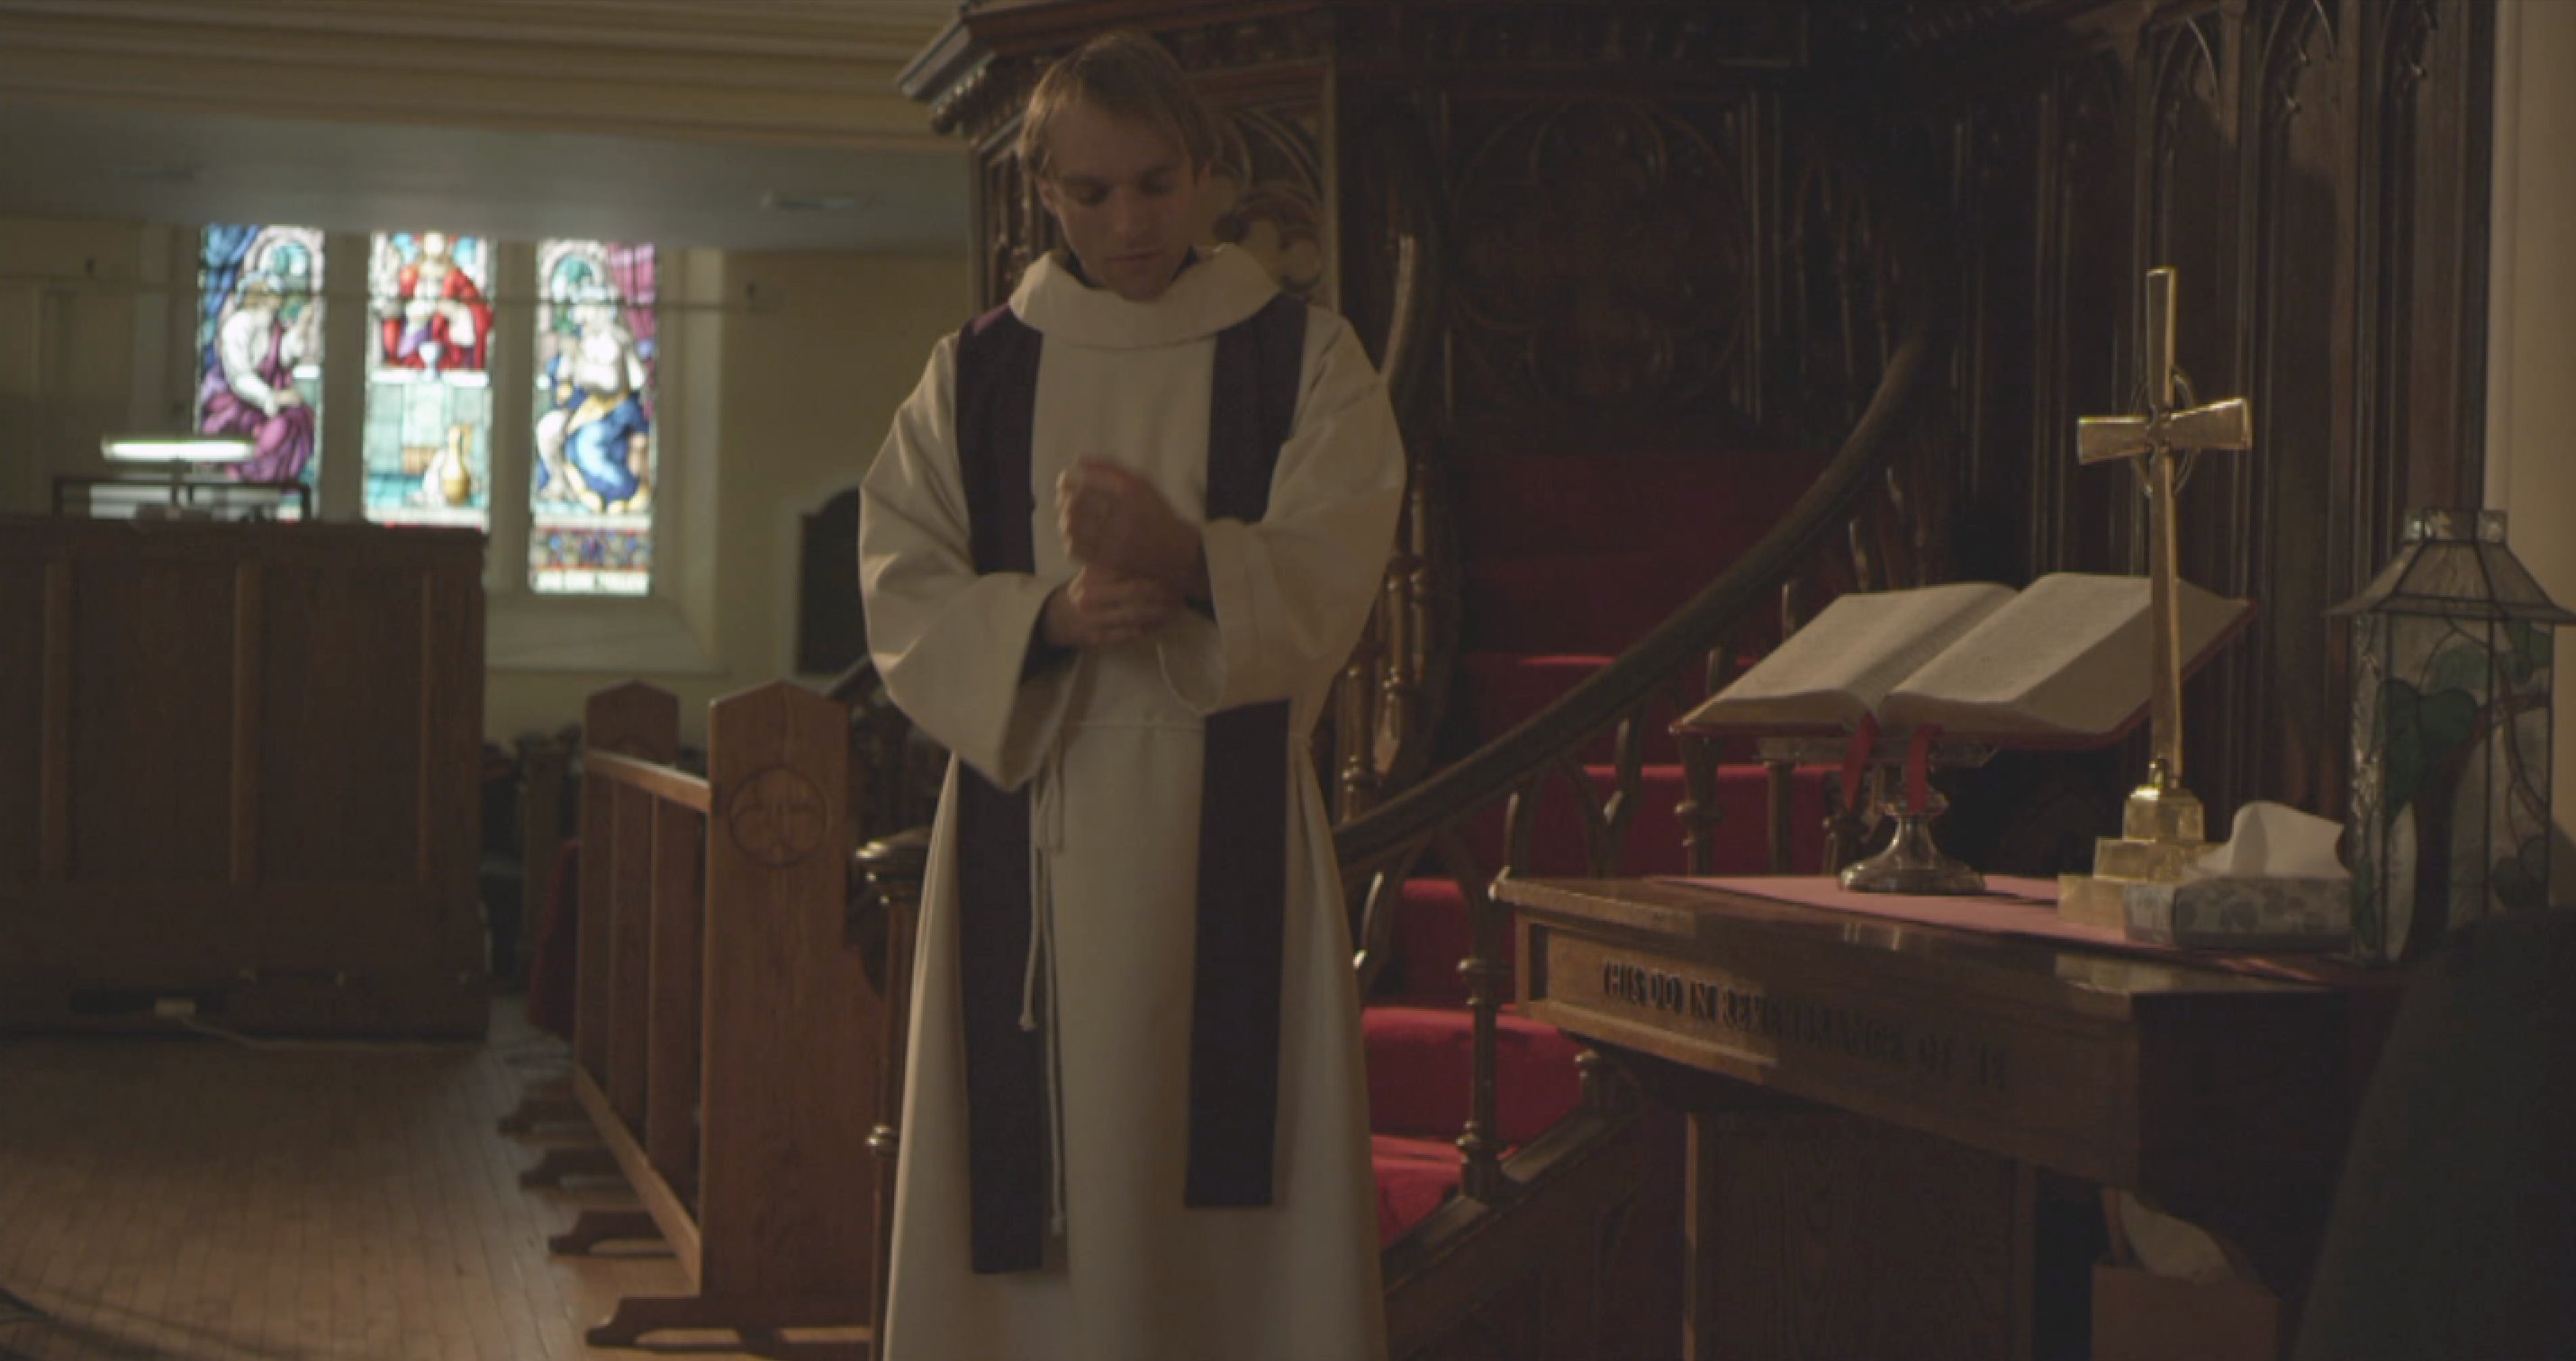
[(1599, 602), (1505, 688), (1431, 936), (1419, 1073), (1587, 553), (1553, 503), (1413, 1177)]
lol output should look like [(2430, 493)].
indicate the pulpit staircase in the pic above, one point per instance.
[(1601, 600), (1551, 599)]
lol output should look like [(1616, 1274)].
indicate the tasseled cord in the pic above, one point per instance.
[(1048, 817)]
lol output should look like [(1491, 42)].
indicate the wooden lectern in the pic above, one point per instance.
[(1872, 1099)]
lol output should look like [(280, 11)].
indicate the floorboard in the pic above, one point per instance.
[(197, 1199)]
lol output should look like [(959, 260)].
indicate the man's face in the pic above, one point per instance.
[(1124, 193)]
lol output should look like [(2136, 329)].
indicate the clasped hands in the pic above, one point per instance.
[(1140, 561)]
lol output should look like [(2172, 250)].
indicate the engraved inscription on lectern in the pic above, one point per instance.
[(1997, 1075), (1758, 1023)]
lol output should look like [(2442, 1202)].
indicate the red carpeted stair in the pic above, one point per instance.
[(1569, 561)]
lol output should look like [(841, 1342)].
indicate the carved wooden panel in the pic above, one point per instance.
[(2300, 310), (1270, 194), (2087, 255), (2316, 171), (1392, 224), (1606, 261)]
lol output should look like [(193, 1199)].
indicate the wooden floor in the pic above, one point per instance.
[(191, 1199)]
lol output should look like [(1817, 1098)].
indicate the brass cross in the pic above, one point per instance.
[(2162, 437)]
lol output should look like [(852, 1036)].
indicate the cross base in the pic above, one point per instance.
[(2162, 831)]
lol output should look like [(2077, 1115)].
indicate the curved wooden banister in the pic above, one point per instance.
[(1383, 848), (1404, 823), (666, 782), (852, 684)]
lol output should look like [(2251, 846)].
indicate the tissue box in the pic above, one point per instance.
[(2248, 912), (2138, 1316)]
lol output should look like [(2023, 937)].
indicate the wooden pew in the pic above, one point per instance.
[(727, 1032)]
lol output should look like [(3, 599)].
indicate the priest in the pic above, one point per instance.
[(1114, 551)]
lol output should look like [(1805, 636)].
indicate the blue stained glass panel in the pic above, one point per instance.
[(592, 483)]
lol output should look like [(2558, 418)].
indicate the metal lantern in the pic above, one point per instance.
[(2449, 814)]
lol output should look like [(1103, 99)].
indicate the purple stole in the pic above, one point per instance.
[(1243, 823)]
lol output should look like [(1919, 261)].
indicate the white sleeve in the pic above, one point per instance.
[(242, 335), (950, 642), (1292, 592)]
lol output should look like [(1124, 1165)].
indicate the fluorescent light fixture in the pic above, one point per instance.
[(154, 174), (175, 449), (782, 201)]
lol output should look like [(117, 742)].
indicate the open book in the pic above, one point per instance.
[(2064, 662)]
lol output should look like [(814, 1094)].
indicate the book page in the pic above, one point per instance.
[(2069, 657), (1838, 668)]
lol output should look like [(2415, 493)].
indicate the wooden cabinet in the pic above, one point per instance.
[(238, 765)]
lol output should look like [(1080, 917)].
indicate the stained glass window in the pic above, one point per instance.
[(591, 494), (259, 347), (429, 380)]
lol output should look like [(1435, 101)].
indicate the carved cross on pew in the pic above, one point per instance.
[(2162, 438)]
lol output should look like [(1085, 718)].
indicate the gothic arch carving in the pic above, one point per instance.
[(1543, 309)]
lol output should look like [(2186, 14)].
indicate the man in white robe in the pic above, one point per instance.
[(1079, 684)]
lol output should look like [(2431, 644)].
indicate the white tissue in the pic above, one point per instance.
[(2170, 1247), (2275, 841)]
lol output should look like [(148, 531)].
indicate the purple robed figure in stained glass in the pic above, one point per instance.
[(262, 327), (262, 405)]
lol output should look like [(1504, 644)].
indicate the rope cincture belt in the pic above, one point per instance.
[(1243, 836)]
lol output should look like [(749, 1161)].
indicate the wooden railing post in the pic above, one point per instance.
[(1355, 718), (894, 868), (789, 1084), (1699, 812), (544, 762), (678, 960), (631, 720), (1481, 1175)]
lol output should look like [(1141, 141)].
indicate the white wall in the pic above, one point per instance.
[(69, 294), (810, 382)]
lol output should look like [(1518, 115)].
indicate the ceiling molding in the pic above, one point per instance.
[(839, 30), (817, 73)]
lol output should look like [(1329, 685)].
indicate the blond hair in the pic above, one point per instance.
[(1126, 75)]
